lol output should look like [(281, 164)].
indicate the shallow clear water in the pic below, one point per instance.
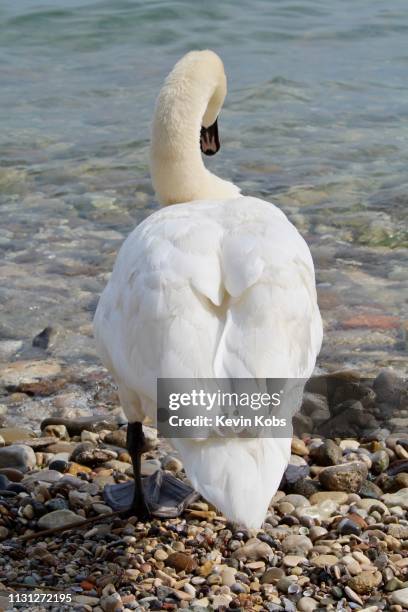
[(316, 120)]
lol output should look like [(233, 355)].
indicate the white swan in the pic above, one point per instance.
[(216, 285)]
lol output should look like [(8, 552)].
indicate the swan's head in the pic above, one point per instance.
[(185, 121)]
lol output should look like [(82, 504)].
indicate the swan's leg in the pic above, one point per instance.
[(136, 444), (161, 493)]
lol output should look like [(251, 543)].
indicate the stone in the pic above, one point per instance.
[(370, 504), (228, 576), (221, 601), (86, 600), (56, 431), (77, 468), (12, 474), (328, 453), (293, 560), (349, 444), (315, 403), (59, 518), (297, 544), (298, 501), (348, 527), (17, 456), (169, 462), (400, 498), (8, 349), (346, 477), (340, 497), (42, 476), (61, 447), (16, 434), (322, 511), (58, 465), (272, 575), (119, 466), (299, 447), (400, 597), (88, 436), (181, 562), (160, 555), (316, 532), (116, 438), (365, 582), (76, 426), (306, 604), (324, 560), (388, 387), (90, 455), (111, 603), (371, 321), (305, 487), (253, 550), (370, 490), (21, 374), (4, 532), (380, 461), (398, 531)]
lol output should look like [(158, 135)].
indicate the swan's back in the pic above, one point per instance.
[(212, 289)]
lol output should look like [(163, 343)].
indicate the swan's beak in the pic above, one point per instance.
[(209, 140)]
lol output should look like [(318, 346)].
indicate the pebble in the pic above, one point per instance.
[(21, 374), (348, 527), (322, 512), (181, 562), (116, 438), (324, 560), (340, 497), (56, 431), (307, 604), (17, 456), (272, 575), (293, 560), (111, 603), (89, 455), (400, 597), (328, 453), (16, 434), (77, 425), (299, 447), (345, 477), (253, 550), (400, 498), (297, 544), (59, 518), (169, 462), (365, 582)]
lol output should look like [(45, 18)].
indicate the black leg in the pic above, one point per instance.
[(136, 445)]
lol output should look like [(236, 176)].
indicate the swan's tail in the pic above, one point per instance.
[(238, 476)]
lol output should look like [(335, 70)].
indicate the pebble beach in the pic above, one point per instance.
[(335, 537)]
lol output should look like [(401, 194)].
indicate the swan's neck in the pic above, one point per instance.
[(177, 169)]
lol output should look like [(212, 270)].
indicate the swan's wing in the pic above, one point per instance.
[(155, 317), (210, 289)]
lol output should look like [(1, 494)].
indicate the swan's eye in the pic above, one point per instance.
[(209, 140)]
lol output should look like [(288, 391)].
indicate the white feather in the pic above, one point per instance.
[(212, 288)]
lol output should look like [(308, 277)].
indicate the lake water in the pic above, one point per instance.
[(316, 120)]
